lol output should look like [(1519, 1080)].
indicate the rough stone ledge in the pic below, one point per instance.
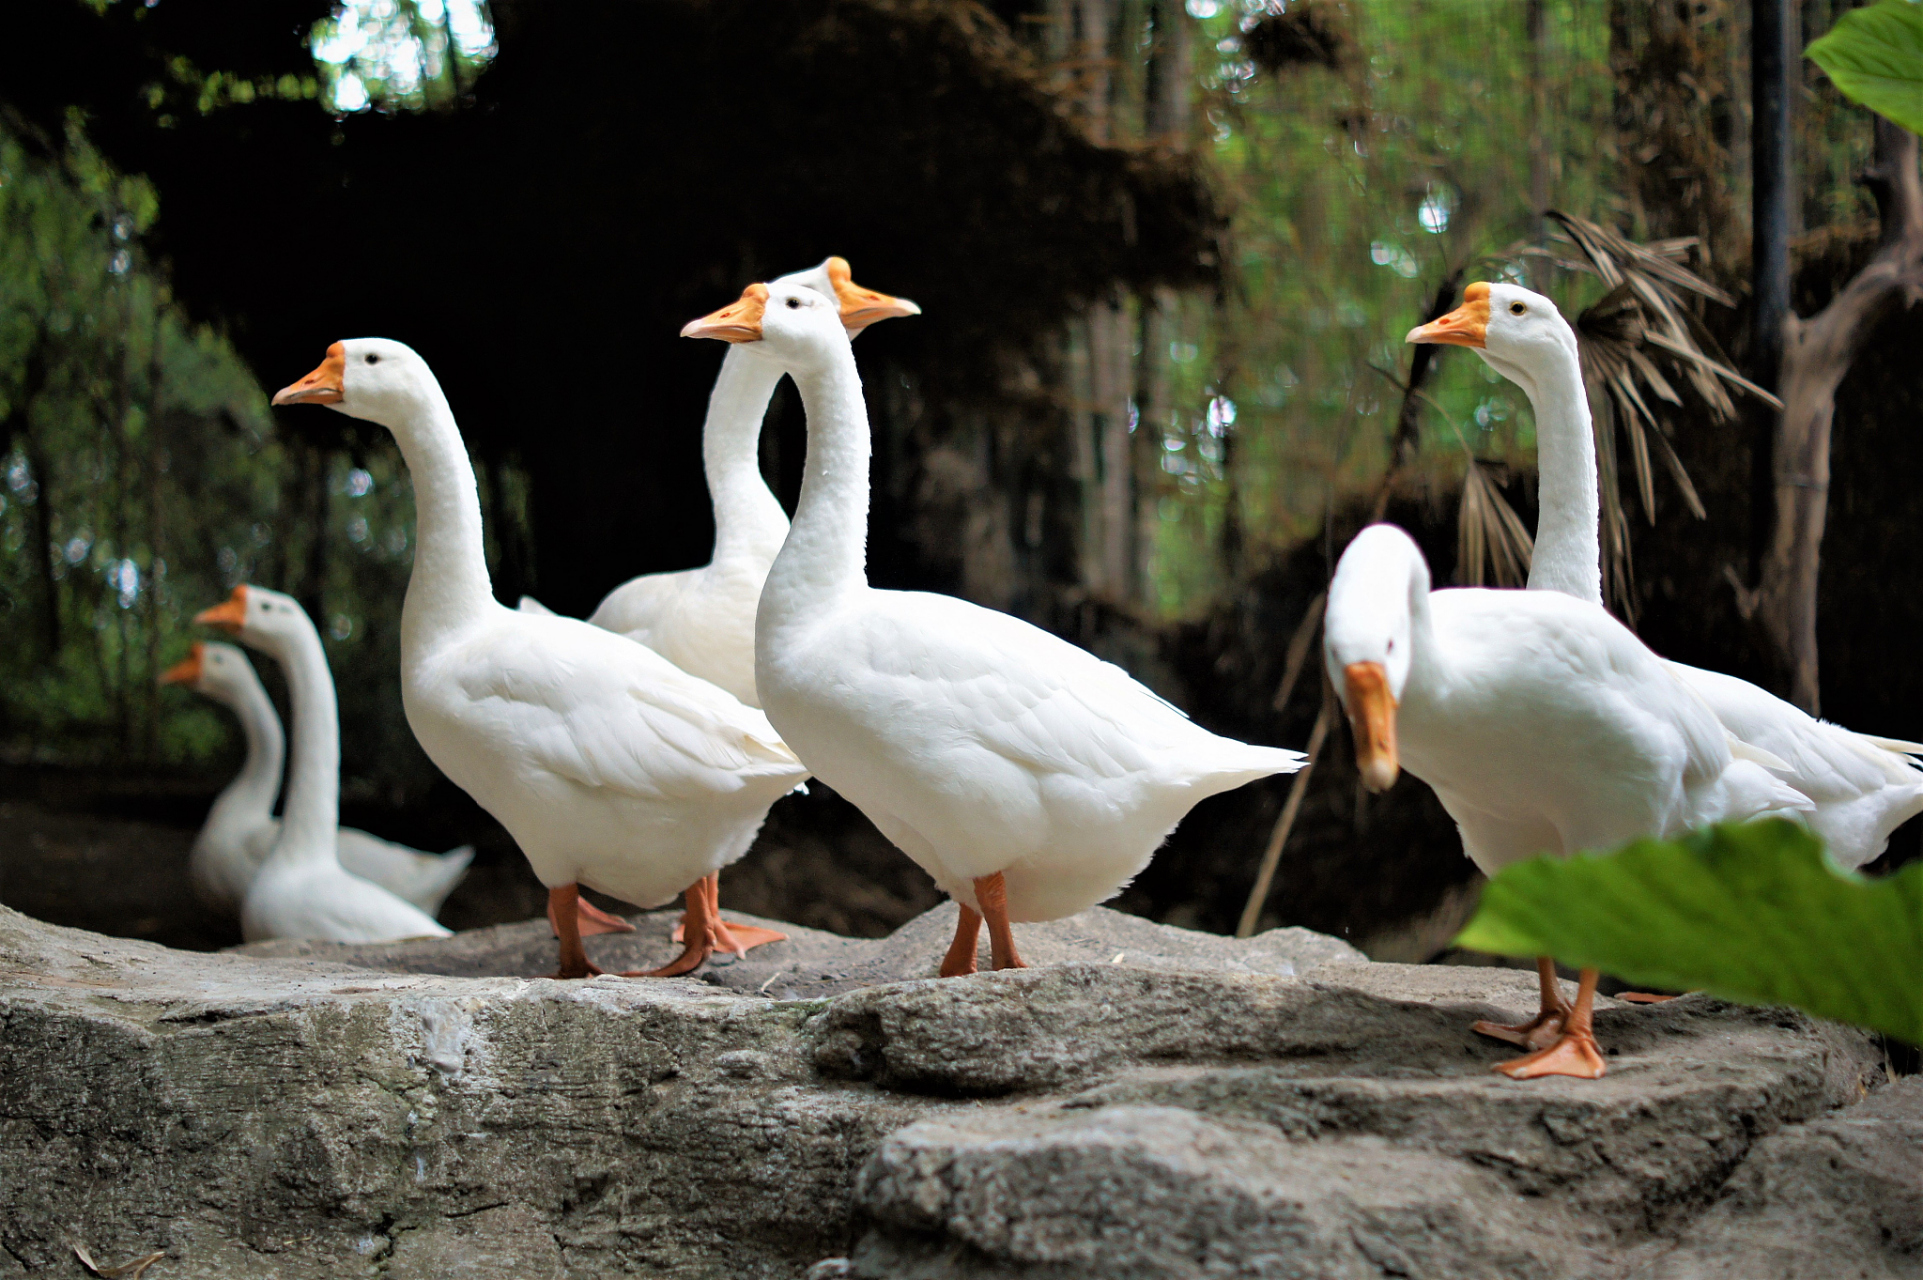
[(1146, 1102)]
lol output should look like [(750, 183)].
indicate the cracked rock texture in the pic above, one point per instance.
[(1144, 1102)]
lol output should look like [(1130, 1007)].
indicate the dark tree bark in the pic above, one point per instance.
[(1536, 28), (18, 427), (319, 511), (1816, 356), (1407, 440), (156, 535), (1773, 187)]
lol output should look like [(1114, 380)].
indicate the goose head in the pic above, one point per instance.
[(795, 319), (789, 323), (1368, 639), (218, 671), (373, 378), (860, 307), (1515, 330), (260, 619)]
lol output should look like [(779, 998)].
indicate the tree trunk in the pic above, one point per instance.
[(156, 534), (319, 512), (1407, 440), (1157, 410), (18, 429), (1536, 28), (1773, 188), (1112, 331), (1817, 354)]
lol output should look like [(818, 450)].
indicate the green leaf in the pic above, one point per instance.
[(1751, 913), (1875, 57)]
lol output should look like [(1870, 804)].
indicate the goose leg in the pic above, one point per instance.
[(589, 919), (729, 936), (1575, 1052), (697, 936), (563, 902), (960, 960), (1540, 1031), (992, 893)]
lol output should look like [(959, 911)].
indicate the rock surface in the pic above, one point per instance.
[(1145, 1102)]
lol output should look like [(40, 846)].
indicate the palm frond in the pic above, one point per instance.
[(1491, 540)]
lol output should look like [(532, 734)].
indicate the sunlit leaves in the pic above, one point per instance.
[(1752, 913), (1875, 57), (402, 53)]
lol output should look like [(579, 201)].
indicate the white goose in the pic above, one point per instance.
[(703, 620), (241, 826), (609, 765), (1544, 726), (1029, 778), (301, 890), (1863, 788)]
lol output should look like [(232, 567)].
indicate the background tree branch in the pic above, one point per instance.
[(1817, 354)]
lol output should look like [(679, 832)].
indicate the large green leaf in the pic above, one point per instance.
[(1875, 56), (1752, 913)]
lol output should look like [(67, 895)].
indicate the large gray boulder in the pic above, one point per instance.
[(1144, 1102)]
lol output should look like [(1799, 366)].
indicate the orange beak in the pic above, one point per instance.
[(739, 321), (1372, 715), (186, 671), (229, 616), (323, 386), (862, 307), (1466, 326)]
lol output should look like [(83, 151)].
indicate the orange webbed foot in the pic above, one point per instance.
[(687, 962), (737, 938), (588, 918), (1538, 1033), (595, 920), (1573, 1054)]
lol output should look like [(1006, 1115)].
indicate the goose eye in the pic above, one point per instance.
[(794, 304), (1517, 308), (373, 359)]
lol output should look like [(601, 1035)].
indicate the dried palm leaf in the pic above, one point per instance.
[(1491, 540)]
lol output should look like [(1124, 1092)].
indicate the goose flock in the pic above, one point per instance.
[(637, 752)]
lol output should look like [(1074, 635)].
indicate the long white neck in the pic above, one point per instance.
[(749, 523), (449, 584), (1568, 555), (310, 822), (826, 553), (1428, 664), (248, 800)]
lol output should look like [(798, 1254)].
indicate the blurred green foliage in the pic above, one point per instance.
[(1359, 188), (143, 475), (1752, 913)]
